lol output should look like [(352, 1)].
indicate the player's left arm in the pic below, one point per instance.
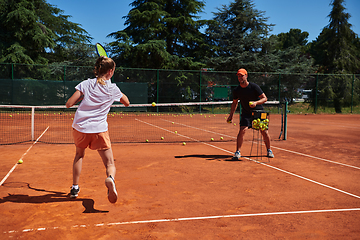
[(262, 99)]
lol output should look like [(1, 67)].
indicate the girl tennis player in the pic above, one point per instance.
[(90, 127)]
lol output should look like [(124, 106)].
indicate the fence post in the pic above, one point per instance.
[(316, 92), (352, 93), (12, 83), (200, 87), (64, 79)]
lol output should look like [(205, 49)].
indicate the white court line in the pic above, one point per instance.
[(322, 159), (298, 153), (279, 169), (189, 219), (13, 168)]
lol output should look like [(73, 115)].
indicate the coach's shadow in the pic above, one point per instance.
[(53, 196), (211, 157)]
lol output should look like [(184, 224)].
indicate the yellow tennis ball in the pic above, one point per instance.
[(251, 103), (175, 132), (153, 104), (146, 140), (162, 138), (228, 121), (20, 161), (211, 139), (184, 143)]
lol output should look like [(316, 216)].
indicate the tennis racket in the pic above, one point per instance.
[(100, 50)]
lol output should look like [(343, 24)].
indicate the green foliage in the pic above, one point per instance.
[(35, 32), (159, 34), (336, 50), (237, 34)]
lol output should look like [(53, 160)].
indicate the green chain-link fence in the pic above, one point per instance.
[(40, 85)]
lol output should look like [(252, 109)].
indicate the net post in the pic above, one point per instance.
[(32, 123), (285, 120)]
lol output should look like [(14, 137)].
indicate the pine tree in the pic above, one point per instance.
[(161, 32), (237, 34), (336, 51)]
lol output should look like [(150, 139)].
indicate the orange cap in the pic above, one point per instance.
[(241, 71)]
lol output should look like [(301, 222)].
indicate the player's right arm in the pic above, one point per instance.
[(76, 97), (233, 108)]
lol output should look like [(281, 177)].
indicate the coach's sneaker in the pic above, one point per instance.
[(74, 192), (110, 184), (237, 155), (270, 154)]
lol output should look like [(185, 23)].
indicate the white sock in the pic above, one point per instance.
[(75, 186)]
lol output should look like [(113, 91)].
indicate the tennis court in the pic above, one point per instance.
[(167, 190)]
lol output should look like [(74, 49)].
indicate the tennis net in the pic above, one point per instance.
[(138, 123)]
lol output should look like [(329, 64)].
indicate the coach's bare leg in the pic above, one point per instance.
[(266, 138), (240, 137), (108, 160), (77, 165)]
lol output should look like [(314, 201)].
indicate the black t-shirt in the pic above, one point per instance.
[(249, 94)]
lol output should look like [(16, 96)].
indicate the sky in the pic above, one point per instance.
[(311, 16)]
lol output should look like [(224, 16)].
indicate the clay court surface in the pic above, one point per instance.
[(310, 190)]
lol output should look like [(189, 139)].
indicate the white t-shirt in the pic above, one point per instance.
[(91, 115)]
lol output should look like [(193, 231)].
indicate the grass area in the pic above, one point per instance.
[(306, 108)]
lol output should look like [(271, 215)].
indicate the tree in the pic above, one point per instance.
[(161, 32), (35, 32), (336, 51), (237, 35), (293, 38)]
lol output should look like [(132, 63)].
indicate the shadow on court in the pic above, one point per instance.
[(51, 197), (211, 157), (226, 158)]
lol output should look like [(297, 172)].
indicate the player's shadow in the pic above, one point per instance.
[(211, 157), (51, 197)]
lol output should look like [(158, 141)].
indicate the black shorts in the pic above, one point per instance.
[(245, 120)]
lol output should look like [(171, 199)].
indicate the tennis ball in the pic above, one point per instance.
[(175, 132), (20, 161), (162, 138), (146, 140), (221, 138), (234, 124), (10, 115), (228, 121), (211, 139), (251, 103), (172, 122), (153, 104), (184, 143)]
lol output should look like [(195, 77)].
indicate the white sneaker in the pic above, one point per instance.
[(110, 184), (237, 155), (270, 154)]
